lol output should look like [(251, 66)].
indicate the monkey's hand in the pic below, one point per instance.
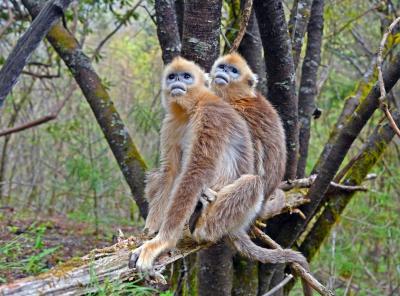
[(143, 257), (207, 196)]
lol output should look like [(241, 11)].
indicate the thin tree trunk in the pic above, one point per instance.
[(365, 160), (128, 157), (280, 73), (19, 56), (291, 230), (308, 84), (251, 49), (167, 29), (298, 25)]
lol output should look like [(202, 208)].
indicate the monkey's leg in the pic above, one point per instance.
[(235, 206), (156, 192)]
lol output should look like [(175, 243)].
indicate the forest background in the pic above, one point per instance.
[(62, 193)]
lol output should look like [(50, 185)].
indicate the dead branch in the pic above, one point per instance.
[(76, 276), (285, 281), (379, 62), (300, 271), (307, 182), (245, 16), (53, 115)]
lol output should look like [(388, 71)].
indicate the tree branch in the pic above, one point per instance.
[(244, 20), (31, 39), (299, 270), (53, 115)]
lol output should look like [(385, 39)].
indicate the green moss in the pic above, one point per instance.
[(63, 40)]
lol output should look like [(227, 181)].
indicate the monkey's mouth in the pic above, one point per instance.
[(221, 79), (178, 91)]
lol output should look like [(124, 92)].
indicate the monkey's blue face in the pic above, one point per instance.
[(225, 73), (178, 82)]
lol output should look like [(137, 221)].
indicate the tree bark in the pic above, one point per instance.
[(298, 25), (251, 49), (167, 29), (128, 157), (201, 30), (292, 229), (19, 56), (245, 277), (308, 84), (280, 73)]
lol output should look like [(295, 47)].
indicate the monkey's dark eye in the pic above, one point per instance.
[(234, 70), (221, 66), (187, 76), (171, 76)]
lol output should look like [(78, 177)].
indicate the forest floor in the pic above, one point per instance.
[(29, 246)]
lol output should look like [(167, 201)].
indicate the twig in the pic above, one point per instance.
[(307, 182), (379, 62), (245, 16), (53, 115), (286, 280), (119, 26), (10, 20), (300, 271)]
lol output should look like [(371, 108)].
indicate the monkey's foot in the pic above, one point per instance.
[(152, 274), (207, 196)]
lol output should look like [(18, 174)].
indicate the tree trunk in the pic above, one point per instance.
[(201, 30), (245, 277), (298, 25), (19, 56), (251, 49), (215, 274), (280, 73), (308, 84), (167, 29), (128, 157)]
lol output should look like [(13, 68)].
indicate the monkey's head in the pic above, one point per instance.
[(181, 80), (232, 78)]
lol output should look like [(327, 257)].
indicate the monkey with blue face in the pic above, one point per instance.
[(206, 147)]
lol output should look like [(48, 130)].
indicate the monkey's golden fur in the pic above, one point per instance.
[(204, 143)]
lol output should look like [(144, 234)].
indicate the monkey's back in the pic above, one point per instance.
[(268, 138)]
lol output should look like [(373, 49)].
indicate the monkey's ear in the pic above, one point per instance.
[(207, 79), (253, 80)]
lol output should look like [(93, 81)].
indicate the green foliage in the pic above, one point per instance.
[(12, 257)]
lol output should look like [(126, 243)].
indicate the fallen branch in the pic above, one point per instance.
[(300, 271), (379, 62), (76, 277)]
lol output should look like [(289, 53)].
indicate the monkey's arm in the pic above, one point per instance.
[(158, 188), (209, 141), (235, 207)]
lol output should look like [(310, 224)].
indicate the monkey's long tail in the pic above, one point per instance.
[(244, 245)]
